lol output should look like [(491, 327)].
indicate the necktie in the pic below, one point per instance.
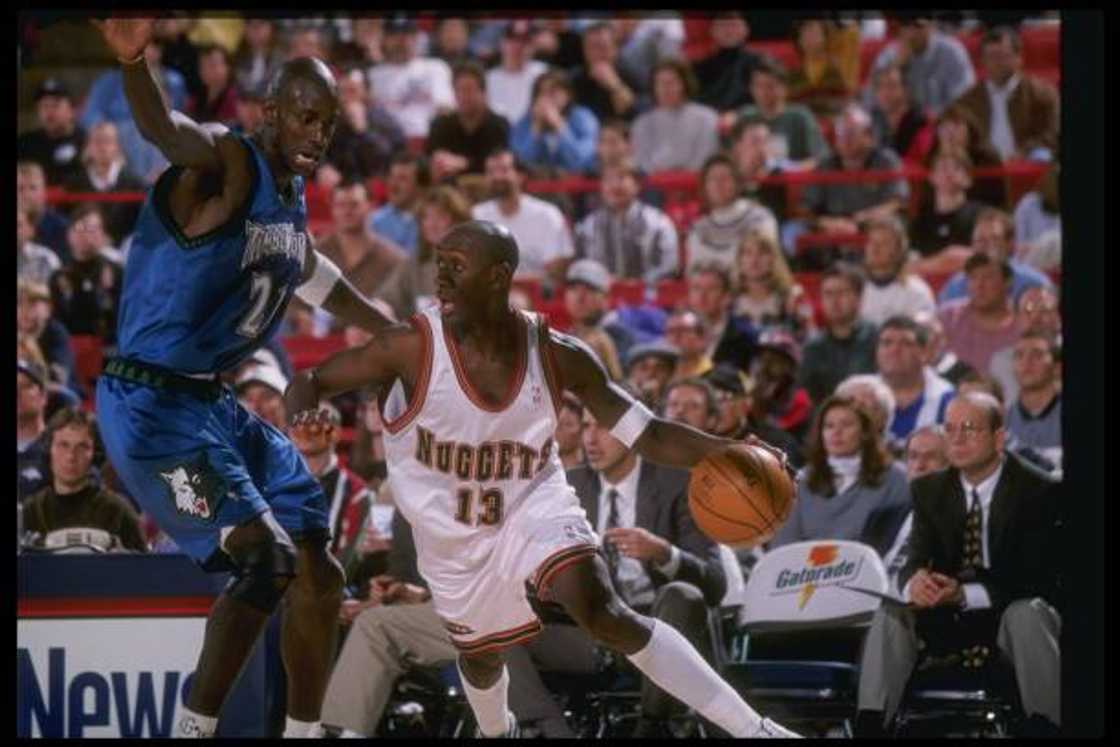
[(609, 549), (973, 559)]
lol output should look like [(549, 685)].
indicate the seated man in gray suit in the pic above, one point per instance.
[(978, 577), (659, 561)]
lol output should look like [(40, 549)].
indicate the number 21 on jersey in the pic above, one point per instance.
[(489, 506), (265, 297)]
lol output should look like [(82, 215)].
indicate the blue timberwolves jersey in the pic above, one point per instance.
[(202, 305)]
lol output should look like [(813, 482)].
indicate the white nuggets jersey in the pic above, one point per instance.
[(482, 486)]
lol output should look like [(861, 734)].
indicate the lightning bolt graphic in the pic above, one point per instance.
[(806, 593)]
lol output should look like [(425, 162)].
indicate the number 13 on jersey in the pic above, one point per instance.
[(489, 506)]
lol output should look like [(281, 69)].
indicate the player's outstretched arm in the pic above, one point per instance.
[(394, 351), (657, 439), (182, 140), (324, 285)]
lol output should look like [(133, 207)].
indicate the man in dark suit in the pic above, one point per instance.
[(659, 561), (977, 579)]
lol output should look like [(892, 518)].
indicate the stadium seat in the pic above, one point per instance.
[(947, 701), (89, 356), (557, 314), (1042, 47), (803, 616), (698, 42), (627, 293), (307, 351), (671, 293)]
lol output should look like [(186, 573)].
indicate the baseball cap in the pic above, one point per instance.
[(52, 87), (590, 273), (659, 348), (780, 341), (727, 378), (399, 24), (270, 376), (32, 370)]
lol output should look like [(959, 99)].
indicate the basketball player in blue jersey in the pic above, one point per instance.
[(529, 531), (219, 249)]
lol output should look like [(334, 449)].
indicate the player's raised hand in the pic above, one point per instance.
[(311, 423), (127, 37)]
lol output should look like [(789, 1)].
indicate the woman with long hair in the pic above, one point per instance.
[(768, 294), (412, 287), (850, 488), (957, 128)]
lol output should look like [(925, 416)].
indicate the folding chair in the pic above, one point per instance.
[(804, 613)]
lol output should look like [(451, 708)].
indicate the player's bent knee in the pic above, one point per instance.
[(264, 571)]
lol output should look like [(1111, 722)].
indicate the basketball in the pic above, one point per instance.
[(741, 496)]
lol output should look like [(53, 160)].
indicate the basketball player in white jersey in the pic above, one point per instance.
[(470, 396)]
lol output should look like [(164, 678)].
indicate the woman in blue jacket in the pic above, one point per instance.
[(556, 134)]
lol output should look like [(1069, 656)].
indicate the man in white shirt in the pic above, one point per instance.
[(413, 89), (510, 84), (978, 578), (540, 228), (890, 289)]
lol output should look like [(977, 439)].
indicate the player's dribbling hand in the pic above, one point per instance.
[(127, 37), (753, 440), (310, 424)]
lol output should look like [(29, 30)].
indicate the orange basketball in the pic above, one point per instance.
[(741, 496)]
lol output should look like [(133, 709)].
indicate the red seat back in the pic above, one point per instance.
[(89, 356)]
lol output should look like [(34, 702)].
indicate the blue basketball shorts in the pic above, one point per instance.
[(199, 466)]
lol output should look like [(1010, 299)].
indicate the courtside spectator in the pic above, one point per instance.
[(1036, 311), (556, 135), (725, 75), (541, 231), (35, 263), (57, 143), (768, 294), (411, 288), (899, 124), (585, 300), (687, 330), (796, 141), (993, 236), (937, 354), (677, 134), (31, 428), (459, 141), (1038, 223), (692, 401), (631, 239), (750, 149), (1018, 111), (1034, 418), (86, 292), (717, 235), (983, 322), (258, 56), (737, 417), (217, 101), (413, 89), (260, 388), (106, 102), (365, 258), (50, 225), (958, 129), (649, 369), (875, 396), (842, 207), (891, 289), (396, 219), (920, 395), (850, 488), (938, 69), (776, 394), (34, 319), (569, 431), (367, 136), (646, 39), (828, 70), (978, 581), (944, 225), (72, 499), (598, 83), (731, 335), (846, 343), (509, 85), (104, 170)]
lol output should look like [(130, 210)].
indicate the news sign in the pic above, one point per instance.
[(119, 677), (814, 582)]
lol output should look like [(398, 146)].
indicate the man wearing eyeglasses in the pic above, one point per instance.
[(1036, 312), (979, 586)]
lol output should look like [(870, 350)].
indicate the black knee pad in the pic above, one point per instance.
[(262, 575)]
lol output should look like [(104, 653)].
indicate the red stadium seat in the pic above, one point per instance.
[(698, 42), (306, 351), (532, 288), (89, 356), (808, 241), (1042, 47), (671, 293), (936, 281), (627, 292), (557, 314)]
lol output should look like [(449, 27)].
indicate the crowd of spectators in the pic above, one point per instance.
[(789, 293)]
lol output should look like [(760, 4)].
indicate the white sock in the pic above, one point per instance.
[(490, 706), (195, 725), (672, 663), (348, 734), (294, 729)]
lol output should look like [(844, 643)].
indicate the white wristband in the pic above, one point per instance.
[(321, 282), (632, 424)]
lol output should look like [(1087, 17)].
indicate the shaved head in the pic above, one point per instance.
[(307, 69), (494, 244)]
